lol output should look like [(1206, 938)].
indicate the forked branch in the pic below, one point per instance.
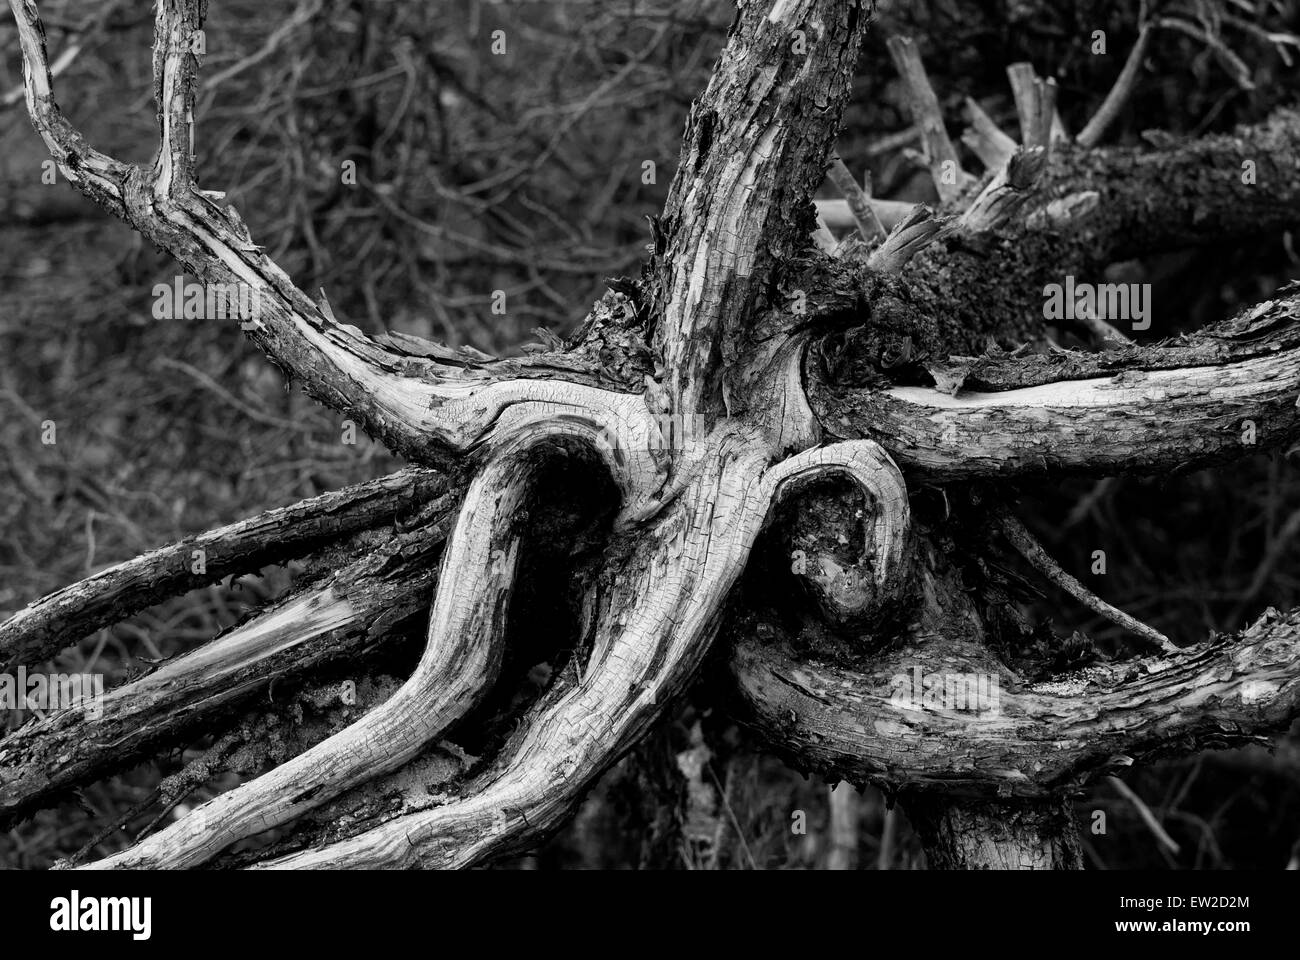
[(427, 407)]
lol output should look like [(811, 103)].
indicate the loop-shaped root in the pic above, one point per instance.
[(661, 609)]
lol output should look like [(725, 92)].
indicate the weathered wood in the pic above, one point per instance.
[(996, 835), (847, 723), (692, 393), (466, 637), (986, 139), (427, 406), (59, 619), (1138, 413), (754, 151), (363, 604), (658, 608), (1188, 193), (950, 180)]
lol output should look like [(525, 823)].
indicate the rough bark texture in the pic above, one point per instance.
[(848, 722), (62, 618), (362, 604), (1184, 194), (1131, 412), (755, 149), (975, 835), (707, 399)]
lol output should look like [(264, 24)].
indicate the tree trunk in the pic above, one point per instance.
[(996, 835)]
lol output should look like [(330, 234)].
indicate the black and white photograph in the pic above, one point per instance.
[(651, 436)]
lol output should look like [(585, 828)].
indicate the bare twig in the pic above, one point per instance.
[(1119, 93), (1145, 813), (1027, 544), (949, 178), (986, 139), (864, 217)]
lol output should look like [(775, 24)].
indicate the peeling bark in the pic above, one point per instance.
[(1185, 194), (756, 146), (705, 396), (849, 722), (462, 656), (1130, 410)]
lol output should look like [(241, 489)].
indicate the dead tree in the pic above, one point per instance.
[(746, 376)]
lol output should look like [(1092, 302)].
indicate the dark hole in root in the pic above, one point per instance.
[(569, 520)]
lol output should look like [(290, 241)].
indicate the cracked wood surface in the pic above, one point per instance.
[(362, 603), (59, 619), (755, 148), (710, 335)]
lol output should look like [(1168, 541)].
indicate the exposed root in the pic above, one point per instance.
[(855, 598), (986, 733), (428, 406), (658, 614), (360, 604), (462, 657), (46, 626), (1138, 410), (659, 610)]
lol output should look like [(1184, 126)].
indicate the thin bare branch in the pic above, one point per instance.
[(985, 139), (945, 168), (1110, 108), (864, 216), (1019, 536)]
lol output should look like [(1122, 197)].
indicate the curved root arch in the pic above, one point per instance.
[(661, 609), (462, 657)]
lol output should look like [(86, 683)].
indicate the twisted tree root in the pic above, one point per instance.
[(659, 612), (1031, 740), (368, 600), (463, 654)]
